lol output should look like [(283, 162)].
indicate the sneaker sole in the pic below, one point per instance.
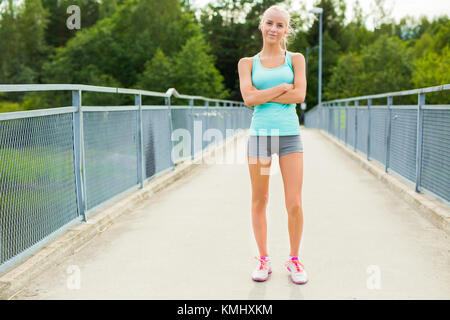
[(298, 282), (260, 280), (293, 279)]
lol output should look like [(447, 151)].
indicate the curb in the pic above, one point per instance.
[(14, 280), (429, 207)]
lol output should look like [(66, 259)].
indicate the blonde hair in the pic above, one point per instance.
[(286, 16)]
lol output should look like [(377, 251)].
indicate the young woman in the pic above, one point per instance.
[(273, 82)]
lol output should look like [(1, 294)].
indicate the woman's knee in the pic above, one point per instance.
[(294, 207), (260, 201)]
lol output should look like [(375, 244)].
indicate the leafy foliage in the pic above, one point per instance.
[(158, 44)]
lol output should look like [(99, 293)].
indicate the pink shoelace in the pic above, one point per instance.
[(297, 265), (263, 265)]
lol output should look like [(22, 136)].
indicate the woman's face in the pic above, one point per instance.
[(274, 28)]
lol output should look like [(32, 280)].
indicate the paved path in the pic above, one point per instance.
[(194, 241)]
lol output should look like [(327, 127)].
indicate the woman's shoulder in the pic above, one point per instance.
[(247, 61), (296, 57), (295, 54)]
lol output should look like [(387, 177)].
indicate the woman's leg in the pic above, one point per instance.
[(259, 175), (291, 166)]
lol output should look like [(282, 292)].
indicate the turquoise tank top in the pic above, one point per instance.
[(273, 118)]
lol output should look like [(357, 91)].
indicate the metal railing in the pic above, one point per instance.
[(59, 165), (411, 141)]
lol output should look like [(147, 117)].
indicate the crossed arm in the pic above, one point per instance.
[(295, 93), (298, 93)]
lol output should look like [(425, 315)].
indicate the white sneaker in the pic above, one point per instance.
[(262, 271), (297, 271)]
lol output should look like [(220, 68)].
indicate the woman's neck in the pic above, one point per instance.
[(271, 51)]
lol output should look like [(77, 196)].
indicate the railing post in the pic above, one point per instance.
[(420, 103), (322, 109), (356, 125), (329, 119), (388, 136), (78, 152), (191, 104), (139, 141), (335, 126), (236, 117), (346, 122), (341, 113), (207, 111), (172, 162), (218, 112), (333, 121), (369, 104), (338, 120), (207, 120)]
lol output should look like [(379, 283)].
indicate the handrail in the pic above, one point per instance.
[(81, 87), (391, 94)]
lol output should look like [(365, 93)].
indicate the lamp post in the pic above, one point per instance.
[(320, 12)]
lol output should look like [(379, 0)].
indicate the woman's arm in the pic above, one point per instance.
[(290, 96), (262, 96), (250, 94), (298, 93)]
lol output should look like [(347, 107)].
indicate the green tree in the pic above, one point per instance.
[(442, 37), (159, 73), (23, 48), (108, 8), (191, 72), (432, 69), (158, 44), (345, 81), (333, 18), (57, 33), (120, 45), (384, 66), (419, 47), (121, 50), (387, 66), (195, 70), (355, 34)]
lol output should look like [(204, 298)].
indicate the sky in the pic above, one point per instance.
[(400, 8)]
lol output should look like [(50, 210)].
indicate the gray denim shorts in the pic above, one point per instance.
[(265, 146)]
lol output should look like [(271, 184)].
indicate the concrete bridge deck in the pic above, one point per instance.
[(194, 240)]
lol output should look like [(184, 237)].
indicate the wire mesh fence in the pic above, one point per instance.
[(412, 141), (58, 166)]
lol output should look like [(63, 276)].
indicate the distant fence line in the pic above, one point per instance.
[(412, 141), (59, 165)]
